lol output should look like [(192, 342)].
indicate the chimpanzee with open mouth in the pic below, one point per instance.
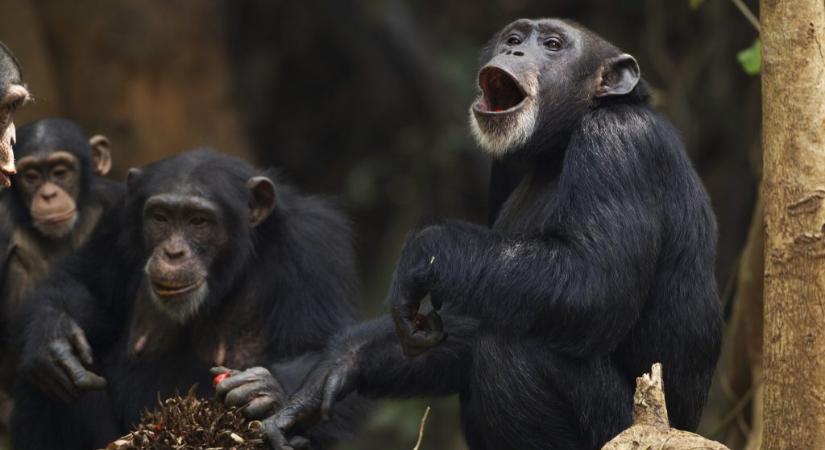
[(598, 263)]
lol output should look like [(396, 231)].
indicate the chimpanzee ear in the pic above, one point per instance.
[(263, 199), (101, 154), (132, 176), (619, 76)]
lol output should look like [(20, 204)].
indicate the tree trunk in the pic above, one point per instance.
[(793, 89)]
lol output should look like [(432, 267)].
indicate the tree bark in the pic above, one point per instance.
[(793, 88)]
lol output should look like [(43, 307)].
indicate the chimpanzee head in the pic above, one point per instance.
[(538, 78), (55, 165), (197, 214), (13, 94)]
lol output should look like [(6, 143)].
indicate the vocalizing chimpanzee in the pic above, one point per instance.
[(51, 209), (205, 262), (599, 263), (13, 94)]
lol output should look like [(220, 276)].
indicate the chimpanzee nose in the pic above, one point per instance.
[(173, 253), (514, 53), (48, 193)]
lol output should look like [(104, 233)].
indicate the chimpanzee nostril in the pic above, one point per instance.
[(508, 52), (518, 53)]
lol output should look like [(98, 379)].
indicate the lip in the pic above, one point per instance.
[(57, 218), (165, 290), (498, 85)]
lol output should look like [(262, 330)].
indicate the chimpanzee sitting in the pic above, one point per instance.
[(599, 263), (53, 205), (205, 262)]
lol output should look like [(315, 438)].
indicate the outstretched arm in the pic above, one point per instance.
[(366, 360)]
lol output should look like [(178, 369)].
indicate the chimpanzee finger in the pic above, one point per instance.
[(221, 369), (234, 382), (59, 384), (244, 393), (274, 435), (259, 407), (332, 388), (288, 417), (84, 350), (80, 376), (420, 341), (299, 443)]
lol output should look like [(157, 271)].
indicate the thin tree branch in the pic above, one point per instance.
[(421, 428), (743, 8)]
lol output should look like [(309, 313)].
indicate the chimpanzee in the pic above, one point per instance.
[(599, 263), (53, 205), (13, 94), (205, 262)]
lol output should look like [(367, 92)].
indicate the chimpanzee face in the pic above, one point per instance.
[(50, 186), (544, 75), (55, 165), (188, 234)]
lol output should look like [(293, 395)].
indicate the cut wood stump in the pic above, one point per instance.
[(651, 429)]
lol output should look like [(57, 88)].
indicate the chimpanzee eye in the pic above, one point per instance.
[(60, 173), (197, 221), (514, 40), (157, 217), (553, 44), (31, 176)]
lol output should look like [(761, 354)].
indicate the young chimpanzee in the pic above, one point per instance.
[(13, 94), (599, 263), (205, 262), (51, 209)]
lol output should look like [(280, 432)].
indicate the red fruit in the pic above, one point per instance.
[(219, 377)]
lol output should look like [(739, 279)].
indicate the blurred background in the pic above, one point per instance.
[(367, 101)]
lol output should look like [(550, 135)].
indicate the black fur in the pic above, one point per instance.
[(285, 286), (598, 264)]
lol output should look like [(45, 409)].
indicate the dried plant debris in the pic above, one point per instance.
[(189, 423)]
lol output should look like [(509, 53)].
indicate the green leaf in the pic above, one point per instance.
[(696, 4), (751, 58)]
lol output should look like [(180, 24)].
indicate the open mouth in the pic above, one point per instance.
[(57, 218), (501, 93), (165, 289)]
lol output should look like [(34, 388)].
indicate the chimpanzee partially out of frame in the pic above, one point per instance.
[(13, 94), (599, 263), (205, 262)]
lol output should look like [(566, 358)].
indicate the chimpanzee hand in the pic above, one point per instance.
[(254, 390), (58, 365), (414, 278), (258, 394), (331, 380)]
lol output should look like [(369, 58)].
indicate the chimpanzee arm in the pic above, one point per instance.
[(580, 279), (67, 312), (363, 361), (81, 286)]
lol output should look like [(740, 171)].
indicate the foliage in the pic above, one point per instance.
[(751, 58)]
